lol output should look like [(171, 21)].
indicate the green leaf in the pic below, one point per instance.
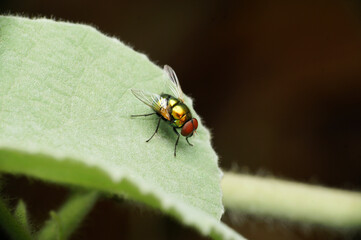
[(65, 106), (69, 217), (21, 216)]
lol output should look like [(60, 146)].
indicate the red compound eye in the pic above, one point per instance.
[(189, 127)]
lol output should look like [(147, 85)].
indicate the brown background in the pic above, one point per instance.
[(277, 82)]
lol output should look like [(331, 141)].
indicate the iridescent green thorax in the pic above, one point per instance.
[(179, 112)]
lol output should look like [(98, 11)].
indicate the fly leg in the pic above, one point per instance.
[(190, 144), (143, 115), (156, 130), (176, 143)]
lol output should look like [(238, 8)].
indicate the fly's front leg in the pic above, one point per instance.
[(190, 144), (143, 115), (176, 143), (156, 130)]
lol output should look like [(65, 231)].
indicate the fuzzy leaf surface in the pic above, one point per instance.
[(65, 106)]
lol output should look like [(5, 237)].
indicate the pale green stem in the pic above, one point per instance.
[(293, 201), (69, 217)]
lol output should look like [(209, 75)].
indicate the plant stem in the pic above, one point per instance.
[(293, 201), (10, 225), (69, 217), (20, 215)]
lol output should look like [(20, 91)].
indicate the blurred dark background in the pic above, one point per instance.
[(277, 82)]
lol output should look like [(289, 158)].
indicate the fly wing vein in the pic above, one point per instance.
[(155, 101)]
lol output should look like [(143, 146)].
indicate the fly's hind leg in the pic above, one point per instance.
[(156, 130), (190, 144), (143, 115), (176, 143)]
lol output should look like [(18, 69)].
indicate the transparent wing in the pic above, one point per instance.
[(173, 83), (155, 101)]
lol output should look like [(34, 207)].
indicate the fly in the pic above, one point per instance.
[(170, 108)]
